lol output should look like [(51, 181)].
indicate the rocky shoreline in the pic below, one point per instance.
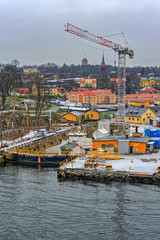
[(106, 176)]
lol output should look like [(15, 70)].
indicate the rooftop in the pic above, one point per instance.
[(123, 138), (136, 112)]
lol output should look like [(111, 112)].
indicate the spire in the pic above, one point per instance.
[(103, 65)]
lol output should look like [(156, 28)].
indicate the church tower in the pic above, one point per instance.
[(103, 65)]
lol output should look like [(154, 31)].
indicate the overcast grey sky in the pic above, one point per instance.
[(32, 31)]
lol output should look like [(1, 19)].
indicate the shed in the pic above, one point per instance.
[(77, 136), (91, 114), (73, 116), (100, 133)]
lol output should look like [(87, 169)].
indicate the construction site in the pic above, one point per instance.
[(80, 142)]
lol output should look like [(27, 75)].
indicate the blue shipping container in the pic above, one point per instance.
[(153, 133), (156, 142), (158, 132), (147, 132)]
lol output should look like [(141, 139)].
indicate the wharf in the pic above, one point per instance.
[(112, 167), (107, 176)]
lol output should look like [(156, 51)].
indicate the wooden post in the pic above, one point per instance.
[(38, 116), (39, 159), (27, 119)]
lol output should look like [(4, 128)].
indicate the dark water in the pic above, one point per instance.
[(34, 205)]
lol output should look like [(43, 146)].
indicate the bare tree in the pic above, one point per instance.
[(15, 63), (8, 77), (39, 95)]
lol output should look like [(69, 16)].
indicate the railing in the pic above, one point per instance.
[(102, 154), (44, 153), (70, 159)]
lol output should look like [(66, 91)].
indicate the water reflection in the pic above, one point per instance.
[(35, 205)]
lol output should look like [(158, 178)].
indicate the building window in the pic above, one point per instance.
[(146, 113), (133, 119), (143, 119), (91, 115), (150, 114), (129, 118), (137, 119)]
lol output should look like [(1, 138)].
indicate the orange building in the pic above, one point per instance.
[(92, 97), (142, 97), (148, 90), (23, 91), (125, 145)]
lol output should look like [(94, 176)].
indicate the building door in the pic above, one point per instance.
[(132, 149), (81, 98)]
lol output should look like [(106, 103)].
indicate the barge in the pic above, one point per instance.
[(35, 158)]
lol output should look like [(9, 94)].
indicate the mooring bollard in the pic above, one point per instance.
[(39, 159)]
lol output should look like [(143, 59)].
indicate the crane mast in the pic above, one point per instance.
[(122, 52)]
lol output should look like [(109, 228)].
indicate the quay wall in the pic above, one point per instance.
[(107, 176)]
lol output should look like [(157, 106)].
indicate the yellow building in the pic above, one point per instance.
[(73, 116), (88, 82), (30, 70), (91, 115), (53, 91), (136, 115), (150, 81), (139, 104)]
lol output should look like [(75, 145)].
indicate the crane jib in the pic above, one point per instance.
[(91, 37)]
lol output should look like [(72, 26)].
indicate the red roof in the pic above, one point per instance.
[(94, 80), (82, 80), (149, 89), (113, 79), (92, 92), (26, 90), (142, 97)]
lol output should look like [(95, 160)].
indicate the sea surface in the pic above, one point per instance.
[(35, 205)]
